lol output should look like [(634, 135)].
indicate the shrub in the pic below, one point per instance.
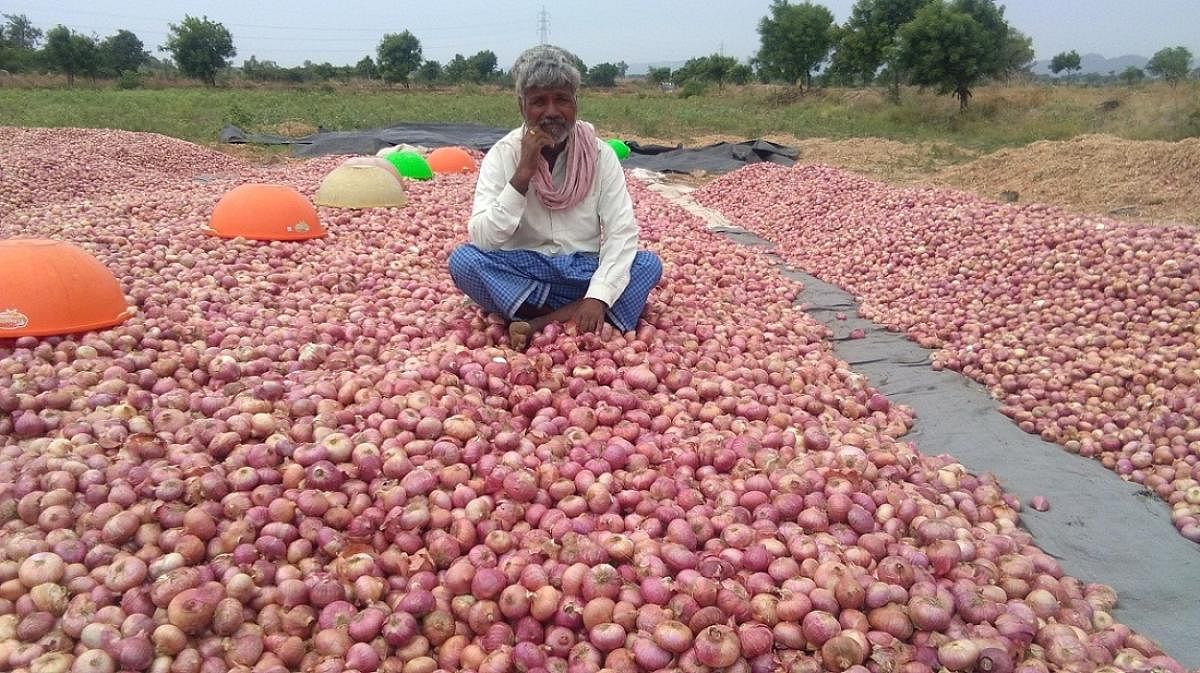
[(129, 80), (692, 88)]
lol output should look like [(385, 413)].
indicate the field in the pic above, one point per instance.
[(1000, 116), (923, 140), (319, 456)]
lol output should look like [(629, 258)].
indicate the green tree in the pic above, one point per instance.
[(320, 72), (429, 73), (1132, 75), (366, 68), (946, 47), (201, 48), (851, 63), (579, 65), (399, 56), (1171, 64), (1018, 53), (18, 31), (623, 68), (161, 66), (482, 66), (720, 69), (795, 39), (658, 75), (71, 53), (741, 74), (123, 52), (458, 70), (1067, 60), (996, 31), (603, 75), (713, 68), (258, 71), (19, 41), (867, 41)]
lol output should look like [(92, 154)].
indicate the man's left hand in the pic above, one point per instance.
[(589, 315)]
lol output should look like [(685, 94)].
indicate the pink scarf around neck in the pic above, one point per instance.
[(580, 155)]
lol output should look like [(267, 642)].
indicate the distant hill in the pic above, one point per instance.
[(1098, 64)]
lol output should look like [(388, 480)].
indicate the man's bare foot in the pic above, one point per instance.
[(518, 334), (521, 331)]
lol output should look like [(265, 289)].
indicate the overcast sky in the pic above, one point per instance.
[(634, 31)]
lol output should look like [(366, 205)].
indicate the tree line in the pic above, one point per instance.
[(949, 45), (1171, 65)]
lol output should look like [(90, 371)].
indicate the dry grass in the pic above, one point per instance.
[(1149, 181), (294, 128)]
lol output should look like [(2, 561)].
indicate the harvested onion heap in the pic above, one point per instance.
[(319, 457), (1086, 329)]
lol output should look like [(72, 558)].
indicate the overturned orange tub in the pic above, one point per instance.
[(451, 160), (265, 212), (51, 288)]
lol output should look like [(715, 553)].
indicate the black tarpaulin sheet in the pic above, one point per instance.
[(371, 141), (717, 158)]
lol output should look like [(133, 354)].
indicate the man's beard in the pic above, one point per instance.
[(558, 129)]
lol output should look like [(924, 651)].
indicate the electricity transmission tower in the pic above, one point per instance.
[(544, 26)]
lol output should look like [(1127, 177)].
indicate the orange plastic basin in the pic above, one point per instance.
[(264, 212), (451, 160), (48, 288)]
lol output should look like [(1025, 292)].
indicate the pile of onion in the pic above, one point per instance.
[(1084, 327), (319, 457)]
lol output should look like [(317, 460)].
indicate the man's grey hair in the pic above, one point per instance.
[(545, 66)]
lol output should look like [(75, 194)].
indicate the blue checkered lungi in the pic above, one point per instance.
[(501, 281)]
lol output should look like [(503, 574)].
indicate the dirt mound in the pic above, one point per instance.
[(1149, 181)]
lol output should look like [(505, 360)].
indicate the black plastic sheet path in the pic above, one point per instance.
[(1099, 527)]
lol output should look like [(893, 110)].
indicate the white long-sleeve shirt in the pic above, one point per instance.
[(503, 219)]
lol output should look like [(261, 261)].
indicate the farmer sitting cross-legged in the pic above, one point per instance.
[(553, 236)]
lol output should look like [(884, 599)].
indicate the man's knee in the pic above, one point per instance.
[(464, 262), (649, 265)]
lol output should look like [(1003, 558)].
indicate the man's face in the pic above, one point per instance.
[(552, 109)]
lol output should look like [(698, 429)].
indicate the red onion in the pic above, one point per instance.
[(958, 655), (819, 626), (717, 646), (192, 609), (362, 657), (755, 640), (994, 660), (607, 637), (648, 655), (672, 636)]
